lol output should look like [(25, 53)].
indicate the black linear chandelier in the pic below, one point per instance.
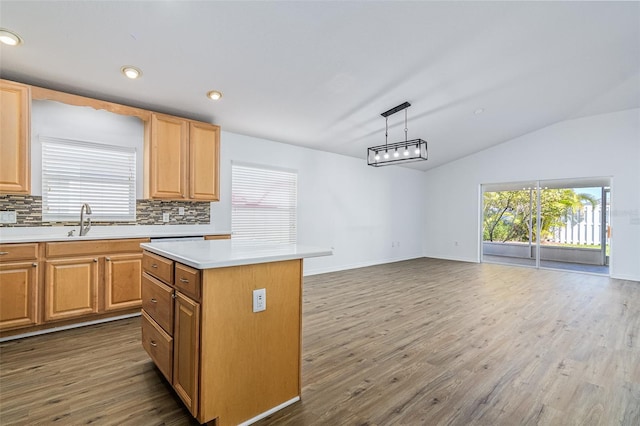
[(408, 151)]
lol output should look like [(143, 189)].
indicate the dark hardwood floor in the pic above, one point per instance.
[(421, 342)]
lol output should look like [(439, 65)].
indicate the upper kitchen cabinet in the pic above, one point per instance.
[(15, 170), (168, 157), (204, 159), (183, 159)]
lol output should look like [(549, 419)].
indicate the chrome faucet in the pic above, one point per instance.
[(84, 230)]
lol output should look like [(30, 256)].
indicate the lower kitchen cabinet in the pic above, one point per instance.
[(158, 344), (230, 364), (122, 281), (19, 276), (71, 288), (171, 310), (18, 294), (105, 279), (44, 285), (186, 351)]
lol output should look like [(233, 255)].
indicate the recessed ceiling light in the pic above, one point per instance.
[(9, 38), (131, 72), (478, 111), (214, 95)]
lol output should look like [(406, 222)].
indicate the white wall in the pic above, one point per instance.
[(603, 145), (367, 215), (58, 120)]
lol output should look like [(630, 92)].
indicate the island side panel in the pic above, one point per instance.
[(250, 362)]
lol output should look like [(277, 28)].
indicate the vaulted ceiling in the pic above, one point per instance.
[(318, 74)]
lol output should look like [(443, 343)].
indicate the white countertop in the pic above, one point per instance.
[(59, 233), (222, 253)]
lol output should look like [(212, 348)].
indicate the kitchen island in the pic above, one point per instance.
[(222, 320)]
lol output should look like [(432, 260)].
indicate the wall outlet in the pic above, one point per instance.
[(259, 300), (165, 217), (8, 216), (181, 211)]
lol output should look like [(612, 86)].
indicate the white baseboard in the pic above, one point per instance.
[(67, 327), (270, 412), (337, 268)]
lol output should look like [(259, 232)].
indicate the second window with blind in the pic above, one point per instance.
[(264, 204)]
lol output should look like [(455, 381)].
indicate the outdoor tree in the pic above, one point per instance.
[(512, 215)]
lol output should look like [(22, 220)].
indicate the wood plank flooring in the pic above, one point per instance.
[(421, 342)]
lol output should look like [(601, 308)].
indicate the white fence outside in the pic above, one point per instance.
[(581, 227)]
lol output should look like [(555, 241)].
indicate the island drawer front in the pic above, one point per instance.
[(157, 302), (187, 281), (11, 252), (157, 266), (159, 346)]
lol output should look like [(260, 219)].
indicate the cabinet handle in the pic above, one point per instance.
[(2, 253), (154, 344), (153, 300), (95, 260), (184, 280), (34, 264), (108, 259), (154, 266), (173, 295)]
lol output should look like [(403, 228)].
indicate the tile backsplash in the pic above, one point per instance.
[(28, 210)]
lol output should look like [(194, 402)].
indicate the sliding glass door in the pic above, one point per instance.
[(559, 224), (509, 233)]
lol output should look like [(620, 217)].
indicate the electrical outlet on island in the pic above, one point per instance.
[(259, 300)]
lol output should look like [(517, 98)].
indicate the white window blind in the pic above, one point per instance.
[(77, 172), (264, 204)]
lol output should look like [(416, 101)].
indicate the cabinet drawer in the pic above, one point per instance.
[(157, 301), (158, 266), (187, 281), (93, 247), (159, 346), (10, 252)]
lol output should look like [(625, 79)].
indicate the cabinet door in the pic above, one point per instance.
[(18, 294), (15, 167), (122, 281), (168, 167), (186, 351), (71, 288), (204, 158)]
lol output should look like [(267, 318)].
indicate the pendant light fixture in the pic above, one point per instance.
[(408, 151)]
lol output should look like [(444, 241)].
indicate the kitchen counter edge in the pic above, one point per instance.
[(124, 234), (224, 253)]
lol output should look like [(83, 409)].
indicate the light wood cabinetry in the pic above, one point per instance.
[(158, 344), (15, 142), (122, 281), (171, 323), (230, 364), (168, 155), (204, 160), (89, 277), (157, 302), (19, 271), (217, 237), (182, 159), (186, 351), (71, 288)]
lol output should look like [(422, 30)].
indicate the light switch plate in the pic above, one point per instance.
[(8, 216), (259, 300), (165, 217)]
